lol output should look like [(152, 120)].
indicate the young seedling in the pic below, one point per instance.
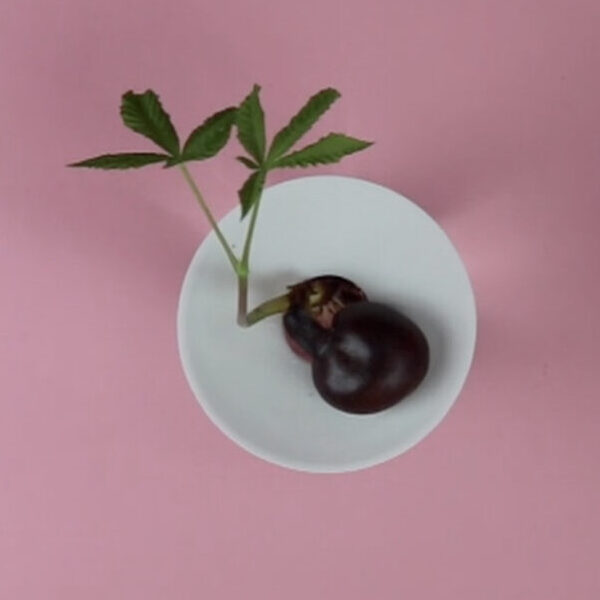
[(364, 356), (144, 114)]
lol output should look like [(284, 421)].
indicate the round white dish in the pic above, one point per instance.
[(255, 389)]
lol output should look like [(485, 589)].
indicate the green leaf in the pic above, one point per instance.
[(251, 191), (300, 124), (329, 149), (144, 114), (210, 137), (126, 160), (247, 162), (250, 121)]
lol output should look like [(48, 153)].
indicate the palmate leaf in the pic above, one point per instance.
[(251, 190), (210, 137), (329, 149), (125, 160), (143, 113), (301, 123), (250, 121)]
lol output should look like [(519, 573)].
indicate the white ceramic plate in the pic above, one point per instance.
[(247, 380)]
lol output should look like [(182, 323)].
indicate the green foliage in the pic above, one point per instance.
[(251, 191), (144, 114), (208, 139), (250, 123), (125, 160), (301, 123), (329, 149)]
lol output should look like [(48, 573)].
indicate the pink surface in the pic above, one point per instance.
[(114, 484)]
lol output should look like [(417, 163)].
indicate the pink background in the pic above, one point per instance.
[(114, 484)]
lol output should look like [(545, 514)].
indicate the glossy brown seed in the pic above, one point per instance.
[(371, 359), (314, 303)]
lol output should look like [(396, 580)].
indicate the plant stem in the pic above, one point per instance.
[(246, 253), (273, 306), (242, 316), (235, 263), (241, 267), (244, 269)]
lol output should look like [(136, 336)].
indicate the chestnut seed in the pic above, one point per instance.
[(313, 304), (371, 359), (365, 356)]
